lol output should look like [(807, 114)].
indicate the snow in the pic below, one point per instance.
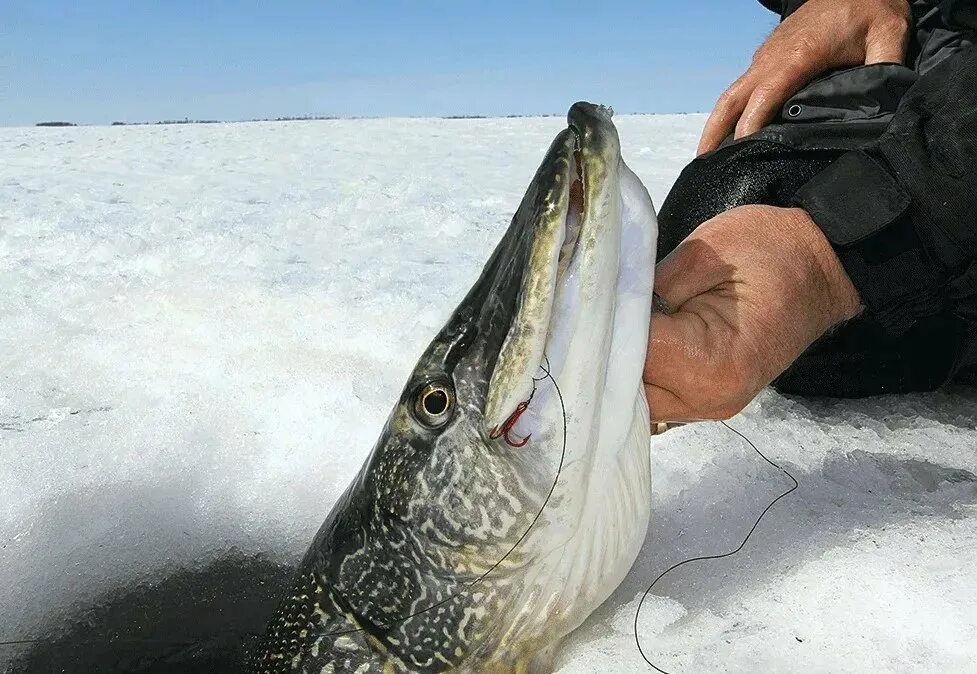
[(202, 329)]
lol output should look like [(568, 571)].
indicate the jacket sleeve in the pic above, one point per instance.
[(902, 212), (783, 7)]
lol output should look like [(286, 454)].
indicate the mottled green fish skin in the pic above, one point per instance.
[(389, 583)]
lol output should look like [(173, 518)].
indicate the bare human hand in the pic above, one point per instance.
[(750, 290), (819, 36)]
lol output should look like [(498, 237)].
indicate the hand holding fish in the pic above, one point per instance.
[(749, 291), (819, 36)]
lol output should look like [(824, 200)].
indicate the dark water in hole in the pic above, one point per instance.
[(188, 621)]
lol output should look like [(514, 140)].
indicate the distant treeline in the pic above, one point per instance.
[(185, 120), (547, 114), (307, 118), (301, 118)]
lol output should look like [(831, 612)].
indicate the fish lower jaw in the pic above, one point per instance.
[(583, 549), (595, 522)]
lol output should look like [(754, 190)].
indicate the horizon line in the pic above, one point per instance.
[(63, 123)]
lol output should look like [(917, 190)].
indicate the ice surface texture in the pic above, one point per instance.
[(202, 329)]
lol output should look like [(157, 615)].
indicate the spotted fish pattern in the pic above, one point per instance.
[(429, 560)]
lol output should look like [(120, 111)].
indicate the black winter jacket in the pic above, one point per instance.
[(884, 158)]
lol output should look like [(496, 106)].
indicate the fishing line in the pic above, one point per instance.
[(723, 555), (556, 479), (393, 621)]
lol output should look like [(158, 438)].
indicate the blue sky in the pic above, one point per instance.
[(105, 60)]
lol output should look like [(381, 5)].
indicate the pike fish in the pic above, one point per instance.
[(509, 491)]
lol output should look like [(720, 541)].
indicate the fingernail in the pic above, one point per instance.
[(659, 427)]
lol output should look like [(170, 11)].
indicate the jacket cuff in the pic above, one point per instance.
[(790, 6), (773, 5), (782, 7), (868, 219)]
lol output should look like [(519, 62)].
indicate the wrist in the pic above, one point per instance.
[(840, 298)]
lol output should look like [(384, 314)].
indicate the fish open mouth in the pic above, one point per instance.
[(568, 211), (576, 206)]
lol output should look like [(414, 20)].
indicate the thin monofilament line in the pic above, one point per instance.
[(702, 558), (394, 621)]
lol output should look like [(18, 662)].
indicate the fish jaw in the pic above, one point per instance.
[(588, 420), (542, 220), (582, 320)]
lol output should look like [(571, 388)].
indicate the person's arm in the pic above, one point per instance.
[(818, 36), (902, 212), (892, 228)]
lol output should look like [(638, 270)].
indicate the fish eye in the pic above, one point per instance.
[(433, 404)]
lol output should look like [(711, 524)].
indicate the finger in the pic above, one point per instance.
[(724, 115), (887, 44), (674, 364), (764, 103), (663, 405), (666, 370), (669, 344)]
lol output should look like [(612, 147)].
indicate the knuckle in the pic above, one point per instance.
[(767, 89), (895, 13), (796, 60), (729, 97), (890, 27), (767, 59), (805, 47)]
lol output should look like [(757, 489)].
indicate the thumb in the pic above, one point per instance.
[(663, 370), (671, 369), (691, 269)]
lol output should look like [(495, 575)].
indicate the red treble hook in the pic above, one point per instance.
[(503, 430)]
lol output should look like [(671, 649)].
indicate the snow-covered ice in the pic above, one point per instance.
[(202, 329)]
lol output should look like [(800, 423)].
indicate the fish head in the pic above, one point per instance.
[(508, 493), (561, 305), (516, 417)]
